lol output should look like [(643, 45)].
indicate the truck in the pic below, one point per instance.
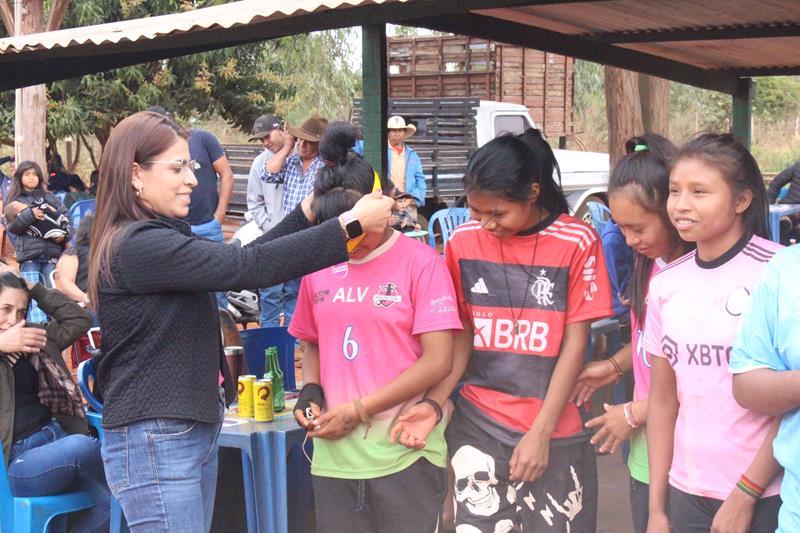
[(450, 130)]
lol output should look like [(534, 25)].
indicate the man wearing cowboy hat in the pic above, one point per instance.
[(405, 167), (296, 165)]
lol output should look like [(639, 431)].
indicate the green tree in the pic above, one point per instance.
[(291, 75)]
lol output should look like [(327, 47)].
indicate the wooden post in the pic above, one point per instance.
[(654, 96), (741, 124), (31, 102), (622, 109), (374, 81)]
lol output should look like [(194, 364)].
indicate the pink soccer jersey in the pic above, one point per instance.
[(693, 311), (640, 357), (366, 316)]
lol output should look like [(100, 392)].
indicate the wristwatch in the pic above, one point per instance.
[(351, 225)]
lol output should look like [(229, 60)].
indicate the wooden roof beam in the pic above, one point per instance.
[(570, 45), (760, 71), (713, 33)]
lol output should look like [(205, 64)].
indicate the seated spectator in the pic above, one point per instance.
[(73, 265), (42, 427), (39, 219), (790, 226), (402, 219), (61, 180)]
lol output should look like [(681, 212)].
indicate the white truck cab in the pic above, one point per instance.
[(584, 175)]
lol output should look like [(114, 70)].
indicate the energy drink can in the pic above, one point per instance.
[(262, 398), (245, 389)]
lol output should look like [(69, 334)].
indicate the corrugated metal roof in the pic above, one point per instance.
[(224, 16), (709, 44)]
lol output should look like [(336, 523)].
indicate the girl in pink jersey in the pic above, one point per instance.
[(638, 189), (379, 333), (710, 458), (530, 280)]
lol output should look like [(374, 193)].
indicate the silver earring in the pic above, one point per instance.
[(139, 192)]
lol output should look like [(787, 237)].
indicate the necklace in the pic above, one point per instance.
[(516, 318)]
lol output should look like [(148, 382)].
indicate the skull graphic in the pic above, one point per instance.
[(475, 481)]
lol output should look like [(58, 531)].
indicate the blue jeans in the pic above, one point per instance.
[(276, 298), (37, 271), (163, 472), (212, 230), (51, 462)]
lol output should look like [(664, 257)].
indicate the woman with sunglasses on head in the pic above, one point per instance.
[(152, 283)]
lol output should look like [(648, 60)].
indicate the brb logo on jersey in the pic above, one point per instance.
[(499, 334), (387, 296)]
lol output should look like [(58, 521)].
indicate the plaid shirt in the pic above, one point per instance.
[(57, 390), (296, 185)]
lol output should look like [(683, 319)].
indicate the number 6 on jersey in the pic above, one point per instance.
[(349, 346)]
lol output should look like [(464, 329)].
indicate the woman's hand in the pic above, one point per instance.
[(19, 338), (595, 375), (38, 213), (309, 425), (373, 212), (735, 514), (336, 423), (530, 457), (413, 426), (614, 429), (658, 523)]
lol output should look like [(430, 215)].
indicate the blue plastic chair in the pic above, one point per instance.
[(600, 214), (256, 341), (94, 417), (448, 219), (41, 513), (77, 212)]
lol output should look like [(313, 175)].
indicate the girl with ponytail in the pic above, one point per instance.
[(530, 279), (379, 334)]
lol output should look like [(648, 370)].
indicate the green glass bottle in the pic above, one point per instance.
[(274, 372)]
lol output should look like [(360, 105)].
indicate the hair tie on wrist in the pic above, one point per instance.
[(627, 410), (362, 414), (436, 407)]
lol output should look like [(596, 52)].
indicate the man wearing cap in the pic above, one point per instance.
[(296, 166), (265, 208), (405, 167), (265, 200)]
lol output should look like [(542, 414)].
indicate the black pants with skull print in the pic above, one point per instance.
[(564, 499)]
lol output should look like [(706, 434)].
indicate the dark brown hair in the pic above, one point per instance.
[(16, 189), (137, 139)]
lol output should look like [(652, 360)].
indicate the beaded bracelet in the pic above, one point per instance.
[(627, 409), (748, 487)]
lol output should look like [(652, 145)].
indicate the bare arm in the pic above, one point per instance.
[(462, 351), (430, 368), (223, 169), (662, 414), (736, 512), (767, 391), (67, 268), (434, 365), (275, 163), (531, 455)]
